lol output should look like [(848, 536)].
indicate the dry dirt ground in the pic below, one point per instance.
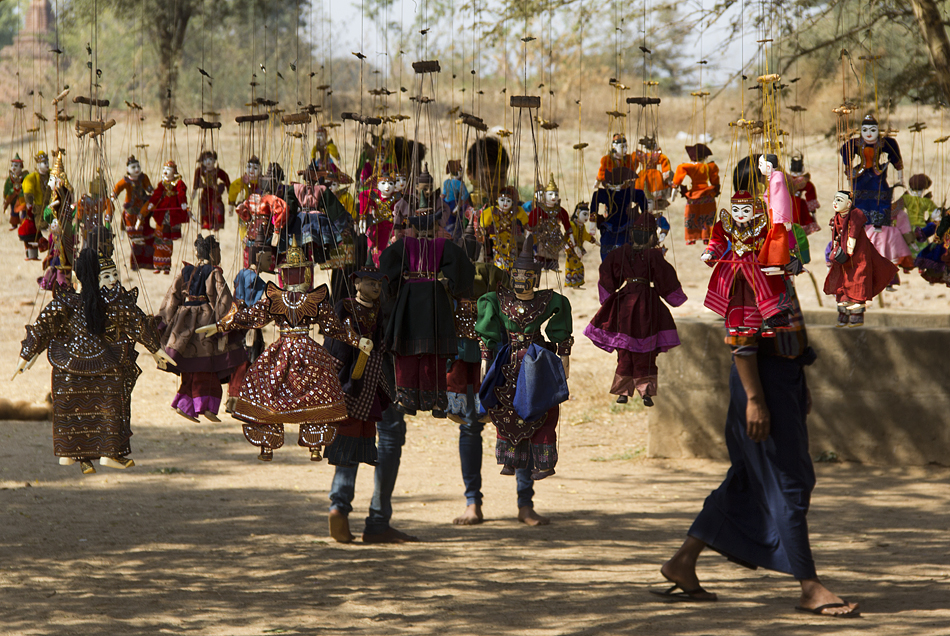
[(201, 538)]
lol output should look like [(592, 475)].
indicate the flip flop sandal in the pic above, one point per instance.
[(820, 610), (685, 596)]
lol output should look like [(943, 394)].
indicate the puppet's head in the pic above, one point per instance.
[(525, 271), (618, 146), (745, 207), (507, 199), (296, 273), (208, 159), (401, 181), (321, 137), (842, 202), (581, 213), (42, 163), (386, 185), (57, 176), (870, 131), (487, 164), (919, 184), (368, 282), (169, 171), (253, 168), (16, 166), (552, 194), (133, 168), (768, 164)]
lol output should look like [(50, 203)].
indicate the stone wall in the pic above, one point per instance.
[(880, 393)]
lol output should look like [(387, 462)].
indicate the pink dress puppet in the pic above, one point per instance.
[(376, 208), (632, 319), (739, 290), (776, 252), (890, 241)]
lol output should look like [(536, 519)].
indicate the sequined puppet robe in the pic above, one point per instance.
[(508, 327), (93, 376), (421, 332), (294, 380), (738, 289)]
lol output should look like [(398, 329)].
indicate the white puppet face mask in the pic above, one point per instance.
[(43, 167), (552, 198), (870, 133), (618, 148), (385, 188), (841, 203), (16, 168), (401, 183), (134, 170), (505, 203), (742, 212), (583, 216), (169, 173), (208, 163), (108, 278), (253, 171), (765, 167)]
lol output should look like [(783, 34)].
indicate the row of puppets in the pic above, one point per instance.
[(434, 302)]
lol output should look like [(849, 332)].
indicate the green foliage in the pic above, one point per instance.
[(10, 22)]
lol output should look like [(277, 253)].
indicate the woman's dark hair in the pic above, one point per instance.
[(93, 307), (488, 153), (204, 245)]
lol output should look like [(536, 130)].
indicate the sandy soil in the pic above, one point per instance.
[(201, 538)]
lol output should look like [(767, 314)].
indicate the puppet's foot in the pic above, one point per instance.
[(842, 316), (212, 417), (647, 400), (857, 320), (67, 461), (87, 467), (185, 415), (267, 454), (528, 516), (315, 455), (116, 462), (622, 399), (471, 517)]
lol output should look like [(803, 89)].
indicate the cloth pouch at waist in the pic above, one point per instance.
[(542, 383)]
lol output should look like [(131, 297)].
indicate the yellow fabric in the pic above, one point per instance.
[(346, 200), (240, 189), (331, 150), (37, 185)]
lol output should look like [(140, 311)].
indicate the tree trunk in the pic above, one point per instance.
[(168, 27), (935, 37)]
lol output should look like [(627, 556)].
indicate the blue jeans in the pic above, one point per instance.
[(391, 433), (470, 457)]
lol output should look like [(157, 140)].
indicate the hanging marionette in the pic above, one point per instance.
[(36, 194), (427, 202), (551, 226), (90, 341), (858, 273), (259, 214), (919, 205), (617, 158), (654, 173), (574, 269), (321, 221), (739, 289), (293, 381), (376, 209), (701, 196), (933, 260), (200, 295), (339, 183), (324, 152), (137, 188), (776, 252), (13, 191), (632, 319), (363, 379), (454, 191), (210, 183), (421, 333), (248, 184), (805, 194), (525, 376), (619, 196), (872, 194), (248, 290), (501, 224), (60, 216), (168, 207)]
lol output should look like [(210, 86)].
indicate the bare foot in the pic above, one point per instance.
[(815, 595), (681, 569), (527, 515), (340, 527), (471, 517), (391, 535)]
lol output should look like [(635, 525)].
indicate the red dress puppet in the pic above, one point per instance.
[(210, 183), (169, 208), (738, 289), (858, 272), (632, 319), (376, 207)]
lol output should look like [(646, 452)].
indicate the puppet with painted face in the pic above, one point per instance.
[(13, 191), (524, 375), (632, 319), (168, 207), (60, 216), (294, 380), (574, 269), (90, 338), (210, 183), (701, 195), (501, 224), (858, 273), (376, 210), (551, 226), (248, 184), (868, 177), (618, 157), (739, 290), (776, 252), (324, 152), (36, 194), (137, 188)]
